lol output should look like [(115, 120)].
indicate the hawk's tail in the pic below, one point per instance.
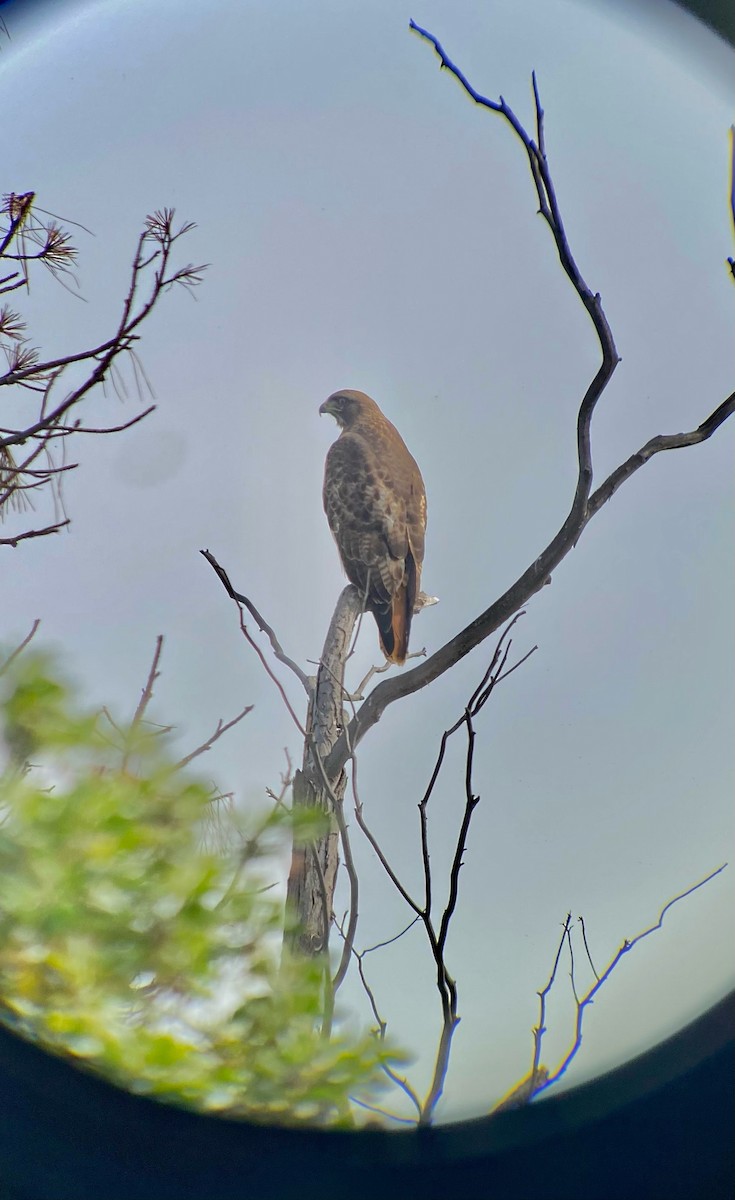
[(394, 624), (394, 619)]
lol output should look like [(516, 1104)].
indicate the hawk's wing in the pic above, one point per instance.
[(367, 517)]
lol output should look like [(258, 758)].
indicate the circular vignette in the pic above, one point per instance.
[(66, 1133)]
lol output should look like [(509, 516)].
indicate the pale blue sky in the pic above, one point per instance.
[(368, 227)]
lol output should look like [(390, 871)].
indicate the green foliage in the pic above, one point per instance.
[(128, 944)]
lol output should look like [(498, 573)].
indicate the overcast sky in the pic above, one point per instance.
[(368, 227)]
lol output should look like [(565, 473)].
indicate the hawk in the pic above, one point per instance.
[(375, 502)]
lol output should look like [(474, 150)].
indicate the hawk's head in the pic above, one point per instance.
[(347, 407)]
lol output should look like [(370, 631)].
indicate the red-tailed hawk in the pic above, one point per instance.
[(375, 502)]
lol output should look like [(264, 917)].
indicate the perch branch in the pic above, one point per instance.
[(584, 506)]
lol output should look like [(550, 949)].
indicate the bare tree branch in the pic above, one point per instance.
[(279, 799), (584, 505), (471, 802), (540, 1029), (242, 601), (330, 741), (550, 1077), (586, 947), (663, 441), (20, 647), (437, 940), (384, 861), (222, 727), (382, 1112), (151, 263), (77, 427), (359, 956), (401, 1082), (271, 673), (306, 682), (147, 693), (33, 533), (145, 698), (354, 893), (731, 261)]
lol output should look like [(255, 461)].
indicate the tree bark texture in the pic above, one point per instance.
[(314, 863)]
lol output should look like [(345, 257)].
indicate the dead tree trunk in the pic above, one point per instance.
[(314, 863)]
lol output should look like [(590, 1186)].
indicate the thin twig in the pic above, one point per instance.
[(663, 441), (382, 1112), (354, 894), (359, 692), (361, 614), (20, 647), (147, 693), (389, 941), (382, 1025), (384, 861), (77, 427), (242, 601), (359, 956), (262, 624), (471, 802), (572, 980), (405, 1087), (588, 998), (540, 1029), (279, 800), (270, 673), (33, 533), (222, 727), (586, 947), (145, 699)]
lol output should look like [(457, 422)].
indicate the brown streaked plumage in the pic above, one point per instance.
[(375, 502)]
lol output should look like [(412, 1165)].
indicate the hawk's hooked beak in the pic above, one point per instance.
[(328, 407)]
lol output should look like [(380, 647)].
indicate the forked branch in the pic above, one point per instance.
[(585, 504), (27, 453), (243, 602), (437, 930), (540, 1077)]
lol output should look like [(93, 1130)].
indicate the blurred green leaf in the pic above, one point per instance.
[(126, 943)]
